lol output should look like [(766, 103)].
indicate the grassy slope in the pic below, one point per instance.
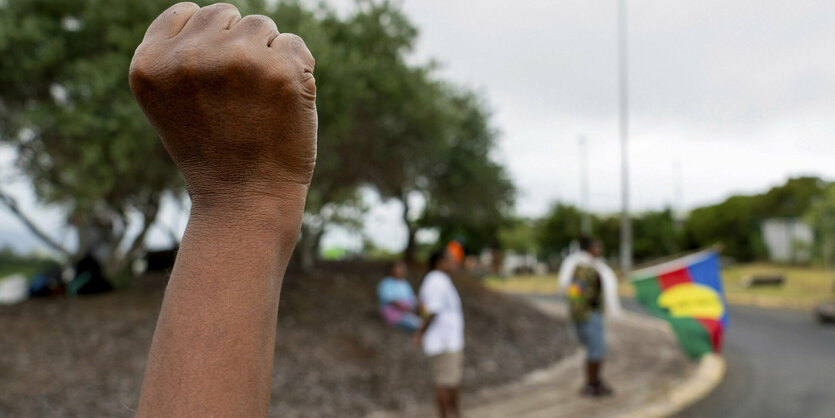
[(85, 356)]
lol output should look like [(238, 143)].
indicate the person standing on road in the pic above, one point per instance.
[(592, 289), (442, 334)]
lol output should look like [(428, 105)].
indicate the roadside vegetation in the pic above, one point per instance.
[(804, 287), (28, 265)]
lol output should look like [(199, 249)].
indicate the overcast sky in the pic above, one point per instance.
[(739, 94)]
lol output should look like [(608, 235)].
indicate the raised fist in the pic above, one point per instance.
[(233, 100)]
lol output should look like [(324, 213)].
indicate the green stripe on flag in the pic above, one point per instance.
[(692, 336), (647, 292)]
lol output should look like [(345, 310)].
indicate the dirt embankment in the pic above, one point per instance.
[(85, 357)]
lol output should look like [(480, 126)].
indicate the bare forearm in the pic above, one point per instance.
[(426, 323), (213, 348), (234, 103)]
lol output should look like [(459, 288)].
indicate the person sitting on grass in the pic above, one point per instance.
[(398, 304), (591, 285)]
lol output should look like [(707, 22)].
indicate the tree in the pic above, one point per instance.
[(408, 135), (735, 223), (470, 195), (655, 235), (607, 230), (81, 139), (821, 217), (519, 235), (792, 199), (367, 92), (66, 107), (558, 228)]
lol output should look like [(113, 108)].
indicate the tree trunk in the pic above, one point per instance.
[(409, 252), (307, 249), (10, 203), (116, 260)]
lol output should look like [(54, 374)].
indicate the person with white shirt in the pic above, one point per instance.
[(442, 333)]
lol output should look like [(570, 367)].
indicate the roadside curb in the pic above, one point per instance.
[(700, 383), (708, 375), (546, 392)]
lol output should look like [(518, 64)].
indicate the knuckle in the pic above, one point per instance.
[(208, 14), (294, 42), (184, 5), (220, 7), (296, 45), (258, 20), (141, 69), (181, 7), (138, 74)]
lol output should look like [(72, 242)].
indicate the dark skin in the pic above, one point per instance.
[(447, 397), (234, 103), (594, 368), (399, 271)]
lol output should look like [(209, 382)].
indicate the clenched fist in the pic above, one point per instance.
[(233, 101)]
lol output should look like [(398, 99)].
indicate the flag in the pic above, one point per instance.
[(687, 292)]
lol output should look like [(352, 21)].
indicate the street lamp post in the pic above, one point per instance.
[(623, 108), (585, 225)]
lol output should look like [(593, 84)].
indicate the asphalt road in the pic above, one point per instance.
[(779, 364)]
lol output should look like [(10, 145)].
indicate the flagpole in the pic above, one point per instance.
[(585, 225), (623, 110)]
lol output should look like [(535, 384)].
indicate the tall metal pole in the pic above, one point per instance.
[(623, 103), (585, 225), (678, 206)]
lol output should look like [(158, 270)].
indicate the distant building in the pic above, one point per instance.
[(509, 263), (788, 240)]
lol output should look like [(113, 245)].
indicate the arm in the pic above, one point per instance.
[(402, 306), (431, 302), (566, 271), (234, 104), (426, 323), (609, 281)]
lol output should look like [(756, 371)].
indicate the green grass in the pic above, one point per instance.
[(28, 265), (803, 289), (523, 284), (804, 286), (544, 284)]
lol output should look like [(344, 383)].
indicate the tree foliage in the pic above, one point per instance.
[(735, 223), (66, 107), (655, 233), (384, 122), (821, 217), (558, 228), (519, 235), (470, 196)]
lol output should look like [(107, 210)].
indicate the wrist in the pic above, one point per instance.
[(274, 217)]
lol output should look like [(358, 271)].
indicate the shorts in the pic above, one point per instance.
[(591, 333), (447, 369)]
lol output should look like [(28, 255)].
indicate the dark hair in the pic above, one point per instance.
[(586, 242), (391, 265), (436, 258)]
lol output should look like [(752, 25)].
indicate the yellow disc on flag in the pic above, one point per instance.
[(692, 300)]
